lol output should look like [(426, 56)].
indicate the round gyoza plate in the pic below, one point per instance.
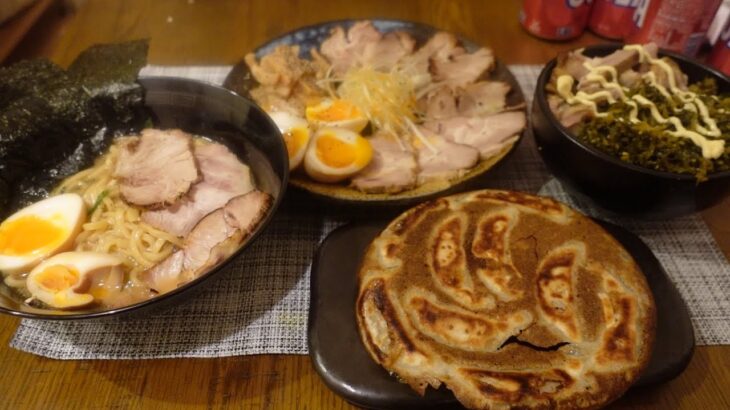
[(340, 358), (241, 81)]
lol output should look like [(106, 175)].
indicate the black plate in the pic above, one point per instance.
[(202, 109), (345, 366), (240, 81)]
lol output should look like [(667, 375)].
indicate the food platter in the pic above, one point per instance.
[(241, 81), (346, 367)]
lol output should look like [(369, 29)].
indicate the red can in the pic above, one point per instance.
[(720, 56), (699, 36), (555, 19), (612, 18), (671, 24)]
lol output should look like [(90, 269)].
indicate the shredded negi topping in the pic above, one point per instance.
[(377, 112), (640, 109)]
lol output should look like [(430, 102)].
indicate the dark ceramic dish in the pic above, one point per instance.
[(241, 81), (222, 116), (340, 358), (611, 183)]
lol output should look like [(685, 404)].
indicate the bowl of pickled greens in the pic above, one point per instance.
[(635, 129)]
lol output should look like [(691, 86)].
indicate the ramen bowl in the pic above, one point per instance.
[(614, 185), (218, 114)]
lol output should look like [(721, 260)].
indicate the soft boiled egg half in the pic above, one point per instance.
[(40, 230), (73, 279), (336, 154), (336, 113), (295, 131)]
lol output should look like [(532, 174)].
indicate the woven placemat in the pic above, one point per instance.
[(261, 304)]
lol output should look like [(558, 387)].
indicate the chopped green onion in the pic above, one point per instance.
[(98, 200)]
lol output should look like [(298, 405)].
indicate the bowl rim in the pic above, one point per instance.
[(541, 101), (166, 297), (348, 22)]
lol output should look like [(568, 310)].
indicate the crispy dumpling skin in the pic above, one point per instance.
[(510, 299)]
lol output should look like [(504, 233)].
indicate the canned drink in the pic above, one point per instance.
[(718, 22), (720, 55), (699, 36), (612, 18), (672, 24), (555, 19)]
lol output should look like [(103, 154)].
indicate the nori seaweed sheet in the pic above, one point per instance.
[(55, 122), (29, 77)]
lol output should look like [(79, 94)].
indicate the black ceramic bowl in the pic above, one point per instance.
[(611, 183), (220, 115), (340, 196)]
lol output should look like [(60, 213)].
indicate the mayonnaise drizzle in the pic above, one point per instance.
[(652, 107), (633, 114), (601, 68), (685, 96), (653, 82), (710, 148), (565, 90), (606, 83)]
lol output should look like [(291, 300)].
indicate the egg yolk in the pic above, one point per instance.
[(99, 293), (337, 111), (28, 234), (57, 278), (335, 152), (295, 139)]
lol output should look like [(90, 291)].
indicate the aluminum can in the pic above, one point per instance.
[(699, 36), (555, 19), (672, 24), (612, 18), (720, 55)]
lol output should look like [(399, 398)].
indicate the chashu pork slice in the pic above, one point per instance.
[(209, 242), (384, 54), (214, 238), (156, 168), (621, 60), (443, 60), (363, 45), (165, 276), (417, 64), (487, 134), (483, 98), (568, 115), (220, 232), (344, 48), (571, 63), (439, 103), (223, 177), (392, 169), (442, 158), (460, 68)]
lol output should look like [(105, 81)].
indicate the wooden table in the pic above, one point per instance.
[(221, 32), (13, 30)]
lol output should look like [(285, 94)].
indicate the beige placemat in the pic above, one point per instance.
[(261, 304)]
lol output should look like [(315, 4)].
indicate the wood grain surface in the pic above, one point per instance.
[(15, 28), (221, 32)]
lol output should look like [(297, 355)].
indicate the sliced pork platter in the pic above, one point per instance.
[(384, 110)]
